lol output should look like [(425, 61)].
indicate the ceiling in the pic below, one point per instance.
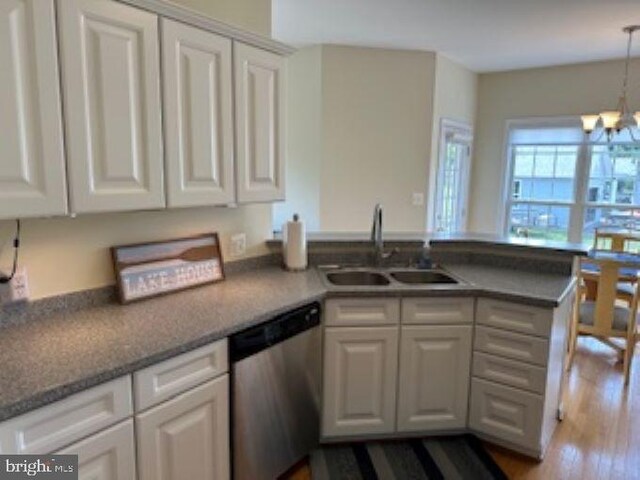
[(484, 35)]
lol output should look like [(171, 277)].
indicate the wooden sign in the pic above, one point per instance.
[(150, 269)]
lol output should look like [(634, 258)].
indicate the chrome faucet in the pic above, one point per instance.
[(376, 237)]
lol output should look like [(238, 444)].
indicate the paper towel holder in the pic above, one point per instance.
[(294, 259)]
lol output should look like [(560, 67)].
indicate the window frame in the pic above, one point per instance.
[(579, 202)]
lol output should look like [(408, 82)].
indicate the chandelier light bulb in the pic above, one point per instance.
[(589, 122), (610, 119), (637, 117)]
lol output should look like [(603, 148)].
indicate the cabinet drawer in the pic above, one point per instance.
[(506, 413), (437, 311), (514, 317), (51, 427), (362, 311), (512, 345), (509, 372), (176, 375), (109, 454)]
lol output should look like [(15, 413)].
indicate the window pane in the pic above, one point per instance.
[(544, 161), (623, 218), (544, 172), (614, 176), (539, 221)]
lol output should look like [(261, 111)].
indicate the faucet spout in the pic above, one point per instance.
[(376, 236)]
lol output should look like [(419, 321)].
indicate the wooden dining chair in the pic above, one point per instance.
[(622, 241), (602, 318), (616, 239)]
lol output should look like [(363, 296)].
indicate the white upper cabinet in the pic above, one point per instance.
[(260, 148), (32, 176), (110, 79), (198, 116)]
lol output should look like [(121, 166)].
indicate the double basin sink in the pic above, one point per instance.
[(370, 277)]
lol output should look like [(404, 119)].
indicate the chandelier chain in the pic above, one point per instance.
[(625, 81)]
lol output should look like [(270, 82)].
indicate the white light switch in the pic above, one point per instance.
[(417, 199), (238, 244)]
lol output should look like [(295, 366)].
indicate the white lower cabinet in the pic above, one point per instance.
[(518, 369), (506, 413), (188, 436), (360, 372), (108, 455), (434, 377)]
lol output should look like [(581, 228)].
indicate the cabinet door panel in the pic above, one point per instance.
[(187, 437), (260, 83), (360, 369), (111, 90), (198, 118), (434, 377), (32, 175), (108, 455), (506, 413)]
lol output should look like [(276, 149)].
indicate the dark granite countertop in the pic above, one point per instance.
[(546, 290), (49, 358), (431, 238), (532, 244)]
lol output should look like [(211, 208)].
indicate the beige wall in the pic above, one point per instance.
[(65, 255), (540, 92), (304, 139), (455, 98), (376, 130), (377, 140), (252, 15), (70, 254)]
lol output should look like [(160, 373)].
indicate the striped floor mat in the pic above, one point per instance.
[(458, 457)]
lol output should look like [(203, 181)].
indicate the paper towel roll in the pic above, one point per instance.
[(295, 245)]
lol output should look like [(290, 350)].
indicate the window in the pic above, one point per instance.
[(563, 188)]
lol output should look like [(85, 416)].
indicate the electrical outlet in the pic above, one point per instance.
[(19, 286), (17, 290), (238, 244), (417, 199)]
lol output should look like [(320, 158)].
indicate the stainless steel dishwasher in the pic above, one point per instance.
[(276, 370)]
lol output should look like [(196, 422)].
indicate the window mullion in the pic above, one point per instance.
[(583, 166)]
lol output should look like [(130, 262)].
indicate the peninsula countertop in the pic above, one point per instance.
[(51, 356)]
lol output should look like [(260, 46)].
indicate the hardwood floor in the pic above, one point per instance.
[(599, 437)]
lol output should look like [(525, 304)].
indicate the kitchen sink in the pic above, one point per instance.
[(359, 277), (422, 277)]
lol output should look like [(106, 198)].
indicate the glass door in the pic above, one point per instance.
[(452, 177)]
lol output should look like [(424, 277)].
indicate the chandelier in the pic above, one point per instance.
[(615, 121)]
